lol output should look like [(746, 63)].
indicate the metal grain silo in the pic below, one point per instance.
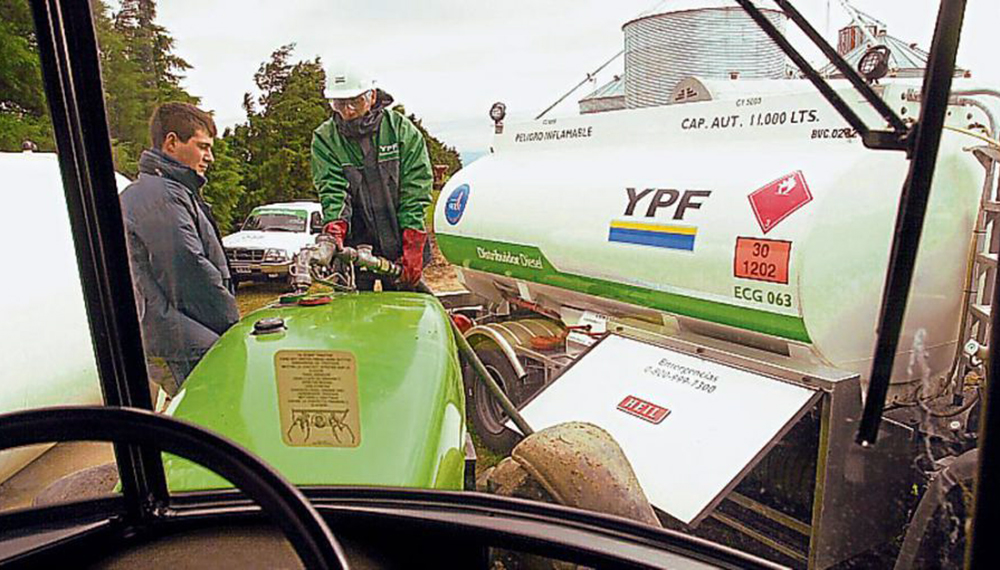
[(704, 38)]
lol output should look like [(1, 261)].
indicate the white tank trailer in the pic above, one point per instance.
[(760, 219), (750, 222), (41, 295)]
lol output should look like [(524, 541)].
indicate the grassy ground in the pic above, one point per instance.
[(485, 457), (252, 296)]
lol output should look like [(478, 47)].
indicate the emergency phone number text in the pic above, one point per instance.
[(682, 379)]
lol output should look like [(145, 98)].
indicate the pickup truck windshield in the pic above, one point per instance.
[(276, 221)]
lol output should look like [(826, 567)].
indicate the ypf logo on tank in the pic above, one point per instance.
[(778, 199), (454, 207), (642, 222)]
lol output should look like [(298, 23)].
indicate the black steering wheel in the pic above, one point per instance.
[(308, 534)]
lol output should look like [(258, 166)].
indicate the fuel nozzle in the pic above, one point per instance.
[(325, 249), (364, 257), (301, 280), (319, 253)]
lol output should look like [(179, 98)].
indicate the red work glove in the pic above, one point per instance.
[(413, 256), (337, 230)]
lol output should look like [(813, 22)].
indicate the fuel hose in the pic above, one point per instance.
[(484, 376)]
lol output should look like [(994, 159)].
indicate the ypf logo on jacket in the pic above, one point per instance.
[(388, 151)]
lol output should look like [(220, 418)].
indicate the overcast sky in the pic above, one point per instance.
[(447, 61)]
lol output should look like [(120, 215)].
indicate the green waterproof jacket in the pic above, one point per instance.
[(390, 194)]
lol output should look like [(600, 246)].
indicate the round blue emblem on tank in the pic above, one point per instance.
[(455, 206)]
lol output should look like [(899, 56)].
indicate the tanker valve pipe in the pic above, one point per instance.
[(484, 376), (976, 353)]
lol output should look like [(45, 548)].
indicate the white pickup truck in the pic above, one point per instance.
[(266, 244)]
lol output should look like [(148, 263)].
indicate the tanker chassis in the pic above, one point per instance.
[(718, 266)]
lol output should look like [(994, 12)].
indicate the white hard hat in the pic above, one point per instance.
[(346, 84)]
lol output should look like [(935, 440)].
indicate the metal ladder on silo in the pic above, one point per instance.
[(979, 293)]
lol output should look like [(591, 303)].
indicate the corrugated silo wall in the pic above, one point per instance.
[(662, 49)]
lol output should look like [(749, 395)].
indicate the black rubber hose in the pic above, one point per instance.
[(484, 376)]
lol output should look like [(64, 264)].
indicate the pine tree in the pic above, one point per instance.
[(126, 96), (140, 72), (23, 110), (225, 186), (151, 46), (440, 153), (275, 140)]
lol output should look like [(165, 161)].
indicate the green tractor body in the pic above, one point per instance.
[(365, 389)]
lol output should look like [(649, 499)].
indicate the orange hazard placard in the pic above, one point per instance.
[(762, 259)]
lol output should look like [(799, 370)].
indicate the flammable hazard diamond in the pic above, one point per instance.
[(777, 200)]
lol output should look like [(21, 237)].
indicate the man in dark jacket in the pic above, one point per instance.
[(373, 175), (179, 268)]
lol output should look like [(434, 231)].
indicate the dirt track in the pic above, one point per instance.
[(441, 275)]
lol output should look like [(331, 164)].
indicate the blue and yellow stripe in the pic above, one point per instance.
[(656, 235)]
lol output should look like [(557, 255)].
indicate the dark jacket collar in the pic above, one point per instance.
[(154, 163), (368, 123)]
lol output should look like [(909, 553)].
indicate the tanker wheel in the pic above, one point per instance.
[(487, 417)]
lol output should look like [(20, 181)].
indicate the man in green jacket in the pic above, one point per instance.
[(373, 175)]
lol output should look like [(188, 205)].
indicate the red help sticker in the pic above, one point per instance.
[(642, 409), (776, 201)]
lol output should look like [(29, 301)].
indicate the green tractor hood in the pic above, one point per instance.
[(365, 389)]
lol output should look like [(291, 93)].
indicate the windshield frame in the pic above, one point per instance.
[(68, 49), (67, 46)]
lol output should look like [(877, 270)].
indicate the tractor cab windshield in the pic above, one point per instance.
[(726, 303)]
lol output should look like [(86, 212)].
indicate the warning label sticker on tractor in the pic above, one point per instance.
[(318, 398), (762, 259)]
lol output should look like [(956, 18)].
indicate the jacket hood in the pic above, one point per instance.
[(368, 123), (154, 163)]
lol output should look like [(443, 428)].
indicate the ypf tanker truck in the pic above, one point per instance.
[(703, 280)]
